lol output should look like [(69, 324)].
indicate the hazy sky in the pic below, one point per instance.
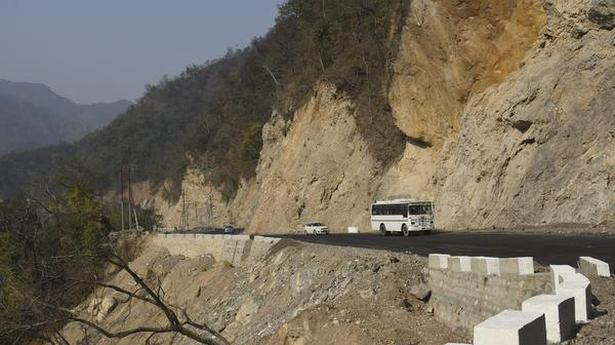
[(104, 50)]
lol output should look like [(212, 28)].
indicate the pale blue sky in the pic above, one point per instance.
[(104, 50)]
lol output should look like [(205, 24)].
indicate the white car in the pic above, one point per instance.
[(315, 228)]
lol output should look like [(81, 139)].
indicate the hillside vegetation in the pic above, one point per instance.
[(213, 114)]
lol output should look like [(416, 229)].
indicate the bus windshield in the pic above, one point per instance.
[(420, 209)]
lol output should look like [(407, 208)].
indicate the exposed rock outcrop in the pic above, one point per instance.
[(509, 112)]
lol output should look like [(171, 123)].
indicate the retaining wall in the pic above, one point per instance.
[(235, 249), (462, 299)]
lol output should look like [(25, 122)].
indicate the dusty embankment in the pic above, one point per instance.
[(299, 294), (508, 110)]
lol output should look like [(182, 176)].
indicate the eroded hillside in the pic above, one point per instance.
[(323, 295), (508, 113)]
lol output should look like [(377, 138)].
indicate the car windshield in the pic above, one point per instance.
[(316, 224)]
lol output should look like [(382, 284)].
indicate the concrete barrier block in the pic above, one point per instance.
[(353, 230), (512, 327), (594, 267), (559, 315), (571, 277), (460, 264), (260, 238), (581, 291), (241, 237), (558, 271), (438, 261), (518, 266), (485, 265), (457, 344)]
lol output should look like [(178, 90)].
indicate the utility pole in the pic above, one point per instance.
[(129, 198), (122, 195), (184, 219)]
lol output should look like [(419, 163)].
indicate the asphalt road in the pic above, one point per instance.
[(546, 249)]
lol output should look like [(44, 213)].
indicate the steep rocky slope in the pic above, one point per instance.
[(323, 295), (538, 148), (508, 112)]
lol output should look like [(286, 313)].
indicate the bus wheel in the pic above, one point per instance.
[(383, 230), (404, 230)]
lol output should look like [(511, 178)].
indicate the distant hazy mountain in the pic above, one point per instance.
[(32, 115)]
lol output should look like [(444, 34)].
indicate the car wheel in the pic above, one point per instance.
[(404, 230)]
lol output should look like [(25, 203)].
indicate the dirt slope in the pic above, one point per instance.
[(299, 294)]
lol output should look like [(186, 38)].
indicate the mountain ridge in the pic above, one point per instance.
[(33, 115)]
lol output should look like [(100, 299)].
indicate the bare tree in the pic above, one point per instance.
[(177, 320)]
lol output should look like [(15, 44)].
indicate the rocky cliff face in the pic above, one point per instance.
[(508, 110)]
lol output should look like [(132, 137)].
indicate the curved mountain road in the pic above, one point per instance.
[(546, 249)]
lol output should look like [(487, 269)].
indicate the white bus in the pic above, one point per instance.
[(402, 215)]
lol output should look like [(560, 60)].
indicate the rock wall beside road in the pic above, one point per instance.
[(508, 110), (236, 249)]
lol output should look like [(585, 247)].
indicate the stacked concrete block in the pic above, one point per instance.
[(520, 266), (438, 261), (580, 289), (353, 230), (512, 327), (558, 271), (559, 315), (594, 267), (485, 265), (235, 248), (460, 264)]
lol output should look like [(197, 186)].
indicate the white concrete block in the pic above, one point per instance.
[(457, 344), (259, 238), (518, 266), (559, 315), (581, 291), (592, 266), (512, 327), (571, 277), (241, 237), (438, 261), (460, 263), (485, 265), (558, 271), (353, 230)]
